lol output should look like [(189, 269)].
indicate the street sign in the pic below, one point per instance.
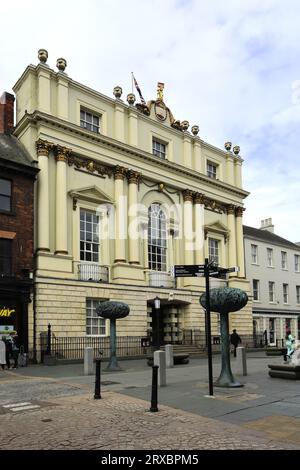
[(187, 270), (197, 270)]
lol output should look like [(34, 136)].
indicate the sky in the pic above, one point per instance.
[(232, 67)]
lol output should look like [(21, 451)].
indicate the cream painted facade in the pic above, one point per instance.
[(114, 174)]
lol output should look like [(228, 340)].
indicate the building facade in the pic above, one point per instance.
[(17, 176), (273, 269), (124, 192)]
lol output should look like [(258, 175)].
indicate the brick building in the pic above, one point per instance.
[(17, 176)]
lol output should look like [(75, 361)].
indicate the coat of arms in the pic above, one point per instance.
[(160, 110)]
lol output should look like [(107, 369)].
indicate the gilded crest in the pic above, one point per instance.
[(160, 110)]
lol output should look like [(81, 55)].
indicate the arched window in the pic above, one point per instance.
[(157, 238)]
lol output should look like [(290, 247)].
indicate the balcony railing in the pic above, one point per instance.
[(161, 279), (93, 272)]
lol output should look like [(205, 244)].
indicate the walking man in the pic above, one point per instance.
[(235, 340)]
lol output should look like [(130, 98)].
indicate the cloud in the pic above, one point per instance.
[(230, 67)]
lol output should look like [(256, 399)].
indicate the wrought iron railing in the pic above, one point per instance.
[(93, 272), (72, 347)]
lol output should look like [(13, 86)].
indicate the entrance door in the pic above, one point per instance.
[(272, 331)]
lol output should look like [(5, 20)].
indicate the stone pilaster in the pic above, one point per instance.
[(199, 228), (240, 241), (61, 228), (188, 226), (43, 235), (120, 214), (232, 260), (133, 227)]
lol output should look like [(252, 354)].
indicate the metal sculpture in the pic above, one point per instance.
[(113, 311), (225, 300)]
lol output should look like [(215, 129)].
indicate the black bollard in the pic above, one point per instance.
[(154, 389), (97, 395)]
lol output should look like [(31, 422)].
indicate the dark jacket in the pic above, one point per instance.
[(235, 339)]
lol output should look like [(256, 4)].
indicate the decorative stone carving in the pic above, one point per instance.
[(227, 146), (117, 92), (90, 165), (161, 187), (185, 125), (130, 99), (119, 172), (236, 149), (43, 147), (231, 209), (62, 153), (43, 56), (199, 198), (195, 130), (143, 108), (176, 125), (61, 64), (188, 195), (133, 177), (239, 211)]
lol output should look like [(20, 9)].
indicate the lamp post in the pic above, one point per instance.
[(157, 322)]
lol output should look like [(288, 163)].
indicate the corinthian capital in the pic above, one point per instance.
[(133, 176), (231, 209), (62, 153), (198, 198), (188, 195), (43, 147), (239, 211), (119, 172)]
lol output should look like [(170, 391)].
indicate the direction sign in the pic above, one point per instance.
[(187, 270), (197, 270)]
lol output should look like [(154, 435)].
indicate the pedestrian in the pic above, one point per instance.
[(235, 340), (290, 345), (8, 350), (2, 353), (15, 348)]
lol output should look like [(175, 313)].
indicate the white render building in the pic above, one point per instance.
[(273, 268)]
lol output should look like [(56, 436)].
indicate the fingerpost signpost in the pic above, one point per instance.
[(207, 270)]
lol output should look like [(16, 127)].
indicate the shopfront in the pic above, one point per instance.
[(14, 300)]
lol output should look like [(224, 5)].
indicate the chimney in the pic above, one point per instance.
[(7, 113), (266, 224)]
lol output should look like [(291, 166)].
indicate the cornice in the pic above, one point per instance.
[(138, 154)]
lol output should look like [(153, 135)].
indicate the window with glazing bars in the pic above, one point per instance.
[(89, 121), (271, 291), (213, 250), (285, 293), (212, 170), (95, 326), (89, 236), (157, 238), (5, 195), (255, 286), (159, 149)]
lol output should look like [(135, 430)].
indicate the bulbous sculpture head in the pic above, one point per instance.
[(43, 55), (61, 64), (185, 125), (112, 310), (117, 92), (195, 130), (225, 299), (131, 99)]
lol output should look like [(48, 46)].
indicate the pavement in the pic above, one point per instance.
[(52, 407)]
